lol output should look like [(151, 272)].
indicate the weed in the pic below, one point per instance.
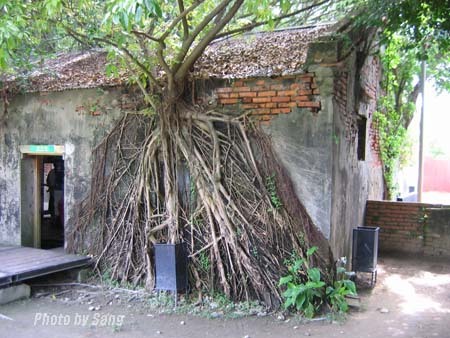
[(272, 190), (304, 289), (306, 292), (204, 261), (336, 293)]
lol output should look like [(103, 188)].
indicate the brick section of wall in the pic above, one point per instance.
[(268, 97), (413, 228), (374, 140), (341, 97), (437, 231)]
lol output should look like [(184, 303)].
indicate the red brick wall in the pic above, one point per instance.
[(268, 97), (414, 228), (374, 140)]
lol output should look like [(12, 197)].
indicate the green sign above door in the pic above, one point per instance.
[(42, 149), (48, 148)]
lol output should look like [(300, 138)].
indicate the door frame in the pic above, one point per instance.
[(36, 153)]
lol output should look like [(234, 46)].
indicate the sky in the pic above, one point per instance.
[(437, 121), (436, 138), (436, 124)]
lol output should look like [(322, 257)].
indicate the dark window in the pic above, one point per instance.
[(362, 127)]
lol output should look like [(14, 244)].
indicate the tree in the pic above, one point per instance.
[(411, 32), (238, 238)]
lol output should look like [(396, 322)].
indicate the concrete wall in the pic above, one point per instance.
[(411, 228), (76, 119), (354, 179)]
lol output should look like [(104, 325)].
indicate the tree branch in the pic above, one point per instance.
[(125, 51), (148, 36), (184, 67), (412, 97), (179, 18), (252, 25), (184, 20), (200, 27)]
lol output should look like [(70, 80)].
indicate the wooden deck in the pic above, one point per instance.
[(19, 263)]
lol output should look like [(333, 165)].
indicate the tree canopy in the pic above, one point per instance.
[(146, 33), (410, 32)]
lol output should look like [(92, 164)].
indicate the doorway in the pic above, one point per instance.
[(42, 201), (52, 202)]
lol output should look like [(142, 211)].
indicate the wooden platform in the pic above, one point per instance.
[(19, 263)]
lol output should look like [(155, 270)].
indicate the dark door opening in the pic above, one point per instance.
[(52, 202)]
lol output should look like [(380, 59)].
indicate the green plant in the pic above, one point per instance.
[(271, 187), (336, 293), (204, 262), (304, 289)]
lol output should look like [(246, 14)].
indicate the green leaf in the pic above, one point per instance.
[(340, 269), (111, 70), (311, 251), (309, 311), (124, 20), (284, 280), (314, 274), (300, 301), (138, 16)]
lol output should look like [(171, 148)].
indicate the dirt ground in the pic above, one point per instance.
[(411, 299)]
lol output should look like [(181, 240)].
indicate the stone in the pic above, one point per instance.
[(215, 315), (384, 310), (281, 317), (182, 322), (14, 292)]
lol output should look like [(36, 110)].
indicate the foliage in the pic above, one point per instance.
[(306, 292), (396, 107), (272, 190), (304, 288), (410, 32), (392, 140), (143, 33), (336, 293)]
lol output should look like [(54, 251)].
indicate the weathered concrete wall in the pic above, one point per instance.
[(302, 140), (77, 119), (411, 228), (355, 177)]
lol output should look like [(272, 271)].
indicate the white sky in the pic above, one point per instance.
[(436, 122)]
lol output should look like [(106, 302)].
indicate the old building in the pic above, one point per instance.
[(312, 92)]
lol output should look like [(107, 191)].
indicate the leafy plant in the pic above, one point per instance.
[(336, 293), (306, 292), (304, 289), (204, 262)]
